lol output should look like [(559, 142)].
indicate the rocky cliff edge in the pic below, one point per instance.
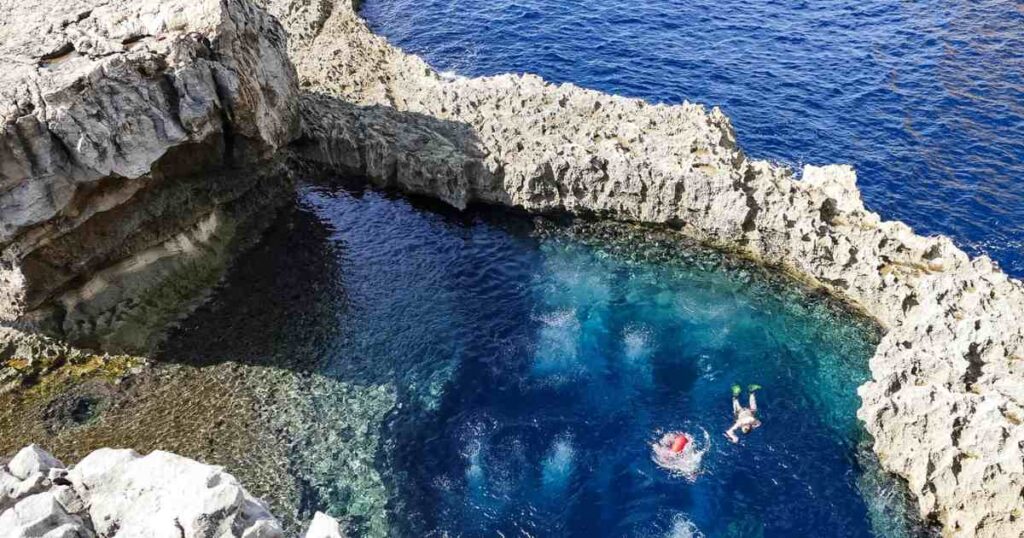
[(138, 147)]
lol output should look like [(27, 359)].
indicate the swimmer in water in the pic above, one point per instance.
[(678, 452), (746, 417)]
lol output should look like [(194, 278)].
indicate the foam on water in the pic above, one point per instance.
[(558, 356), (683, 528), (557, 467)]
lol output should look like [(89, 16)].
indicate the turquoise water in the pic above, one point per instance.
[(530, 365), (925, 99)]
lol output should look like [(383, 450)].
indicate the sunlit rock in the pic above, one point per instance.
[(118, 492)]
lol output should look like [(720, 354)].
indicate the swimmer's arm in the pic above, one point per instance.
[(731, 432)]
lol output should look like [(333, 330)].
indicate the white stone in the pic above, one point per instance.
[(324, 526), (165, 495), (41, 516), (32, 460)]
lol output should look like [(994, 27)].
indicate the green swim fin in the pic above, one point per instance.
[(736, 391), (753, 388)]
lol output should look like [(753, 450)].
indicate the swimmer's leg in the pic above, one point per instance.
[(736, 407), (753, 402)]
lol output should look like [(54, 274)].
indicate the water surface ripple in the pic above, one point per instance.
[(925, 99), (535, 363)]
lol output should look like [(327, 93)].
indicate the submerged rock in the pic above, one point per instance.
[(118, 492), (946, 402), (138, 147), (324, 526)]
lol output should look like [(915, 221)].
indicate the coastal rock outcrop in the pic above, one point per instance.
[(138, 153), (119, 492), (946, 402), (140, 150)]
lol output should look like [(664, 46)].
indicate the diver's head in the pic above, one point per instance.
[(745, 428)]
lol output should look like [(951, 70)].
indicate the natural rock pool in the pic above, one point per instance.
[(491, 374), (424, 372)]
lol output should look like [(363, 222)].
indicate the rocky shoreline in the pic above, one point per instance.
[(139, 154), (947, 398), (112, 125)]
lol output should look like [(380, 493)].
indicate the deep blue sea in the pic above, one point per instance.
[(924, 98)]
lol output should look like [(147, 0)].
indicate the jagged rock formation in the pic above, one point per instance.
[(118, 492), (946, 403), (138, 153)]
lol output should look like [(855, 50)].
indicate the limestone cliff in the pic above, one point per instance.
[(946, 402), (138, 145)]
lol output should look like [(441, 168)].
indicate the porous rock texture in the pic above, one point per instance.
[(946, 402), (138, 152), (121, 493)]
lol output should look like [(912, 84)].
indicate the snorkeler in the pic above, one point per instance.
[(746, 419)]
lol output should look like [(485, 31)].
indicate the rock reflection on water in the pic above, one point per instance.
[(239, 385)]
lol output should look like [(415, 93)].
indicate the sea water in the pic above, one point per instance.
[(530, 365), (925, 99)]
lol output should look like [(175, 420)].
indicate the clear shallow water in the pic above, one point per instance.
[(925, 99), (527, 367)]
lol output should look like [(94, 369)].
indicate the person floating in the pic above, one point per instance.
[(680, 442), (746, 417), (678, 453)]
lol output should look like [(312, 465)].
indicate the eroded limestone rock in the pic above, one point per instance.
[(137, 141), (118, 492), (163, 494), (324, 526)]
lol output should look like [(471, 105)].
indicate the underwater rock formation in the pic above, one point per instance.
[(138, 154), (118, 492), (946, 402)]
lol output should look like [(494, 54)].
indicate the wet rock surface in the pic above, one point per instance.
[(945, 404)]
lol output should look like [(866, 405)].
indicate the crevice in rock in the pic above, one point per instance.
[(909, 302), (63, 50), (974, 366), (753, 209)]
